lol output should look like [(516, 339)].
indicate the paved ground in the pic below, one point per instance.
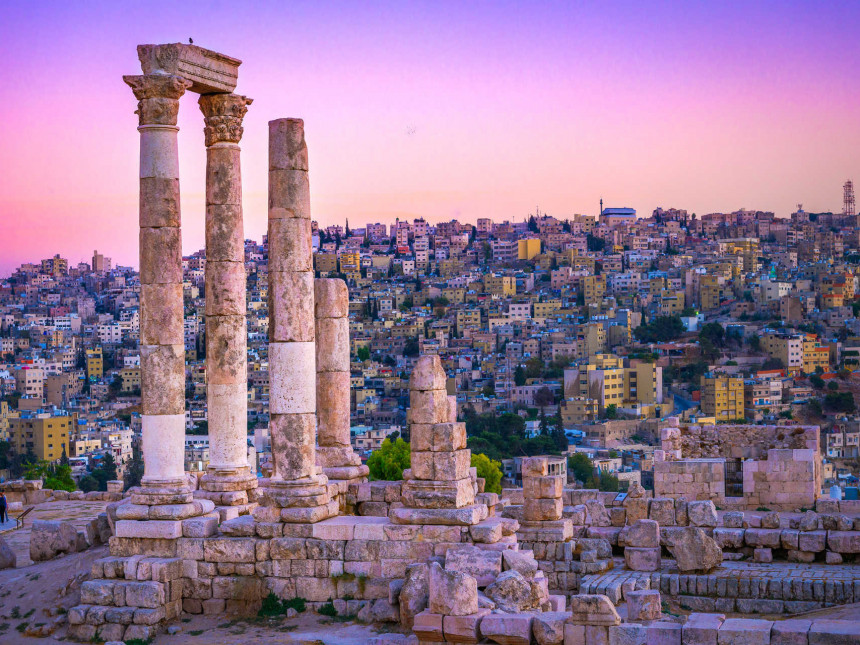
[(78, 513)]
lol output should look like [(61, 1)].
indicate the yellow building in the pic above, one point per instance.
[(350, 262), (500, 285), (95, 364), (578, 410), (593, 288), (595, 339), (545, 308), (815, 355), (606, 380), (528, 249), (325, 263), (723, 396), (46, 436), (712, 291), (130, 379), (671, 303)]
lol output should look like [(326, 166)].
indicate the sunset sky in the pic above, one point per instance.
[(440, 109)]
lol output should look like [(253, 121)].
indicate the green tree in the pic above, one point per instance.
[(88, 483), (60, 478), (581, 466), (519, 376), (363, 354), (490, 470), (411, 348), (388, 462), (611, 411)]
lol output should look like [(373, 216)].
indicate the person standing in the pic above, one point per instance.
[(4, 517)]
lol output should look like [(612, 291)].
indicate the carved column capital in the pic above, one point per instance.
[(223, 114), (157, 97)]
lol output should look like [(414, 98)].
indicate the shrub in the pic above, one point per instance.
[(389, 461), (490, 470)]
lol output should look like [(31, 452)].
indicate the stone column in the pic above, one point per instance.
[(228, 477), (334, 453), (439, 488), (296, 485), (162, 342)]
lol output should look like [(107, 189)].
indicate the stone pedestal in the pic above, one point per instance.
[(297, 491), (162, 343), (334, 452), (228, 480), (440, 486)]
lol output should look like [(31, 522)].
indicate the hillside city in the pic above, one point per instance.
[(558, 336)]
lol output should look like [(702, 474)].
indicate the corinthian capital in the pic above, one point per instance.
[(223, 114), (157, 97)]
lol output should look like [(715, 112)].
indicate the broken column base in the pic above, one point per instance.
[(234, 491), (430, 494), (158, 511), (301, 501), (341, 464)]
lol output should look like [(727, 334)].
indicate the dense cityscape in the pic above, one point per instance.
[(558, 335)]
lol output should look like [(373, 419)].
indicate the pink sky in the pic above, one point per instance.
[(703, 106)]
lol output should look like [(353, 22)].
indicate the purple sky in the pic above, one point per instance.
[(438, 109)]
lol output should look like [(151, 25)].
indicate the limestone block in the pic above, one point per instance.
[(292, 370), (465, 516), (546, 487), (762, 555), (225, 288), (290, 247), (702, 513), (153, 529), (226, 350), (163, 444), (662, 511), (332, 344), (225, 241), (643, 604), (223, 175), (511, 592), (844, 541), (729, 538), (162, 379), (627, 634), (770, 520), (744, 631), (159, 202), (642, 558), (695, 551), (49, 538), (159, 154), (463, 629), (431, 494), (162, 261), (161, 314), (637, 509), (414, 594), (643, 533), (428, 406), (537, 510), (451, 593), (481, 564), (451, 466), (597, 513), (733, 520), (811, 540), (794, 631), (333, 408), (593, 609), (535, 467), (522, 561), (548, 627), (290, 304), (228, 415), (428, 627), (428, 374), (439, 437), (702, 629), (663, 633), (331, 298), (238, 549), (289, 194), (509, 629), (293, 439)]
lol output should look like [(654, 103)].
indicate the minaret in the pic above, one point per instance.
[(601, 205)]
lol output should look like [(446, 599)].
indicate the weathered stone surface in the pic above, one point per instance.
[(702, 629), (452, 593), (510, 592), (643, 604), (627, 634), (695, 551), (481, 564), (844, 541), (642, 558), (593, 609), (414, 595), (770, 520), (428, 374), (662, 511), (790, 632), (702, 513), (597, 512), (508, 629), (7, 556), (744, 631), (49, 538), (809, 521), (548, 627), (643, 533), (733, 520), (522, 561), (463, 629)]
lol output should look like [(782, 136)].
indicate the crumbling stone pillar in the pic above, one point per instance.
[(440, 486), (542, 503), (296, 485), (228, 479), (334, 453), (162, 343)]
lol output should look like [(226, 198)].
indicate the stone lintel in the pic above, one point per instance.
[(208, 71)]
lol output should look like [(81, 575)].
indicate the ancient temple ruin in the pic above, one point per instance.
[(434, 552)]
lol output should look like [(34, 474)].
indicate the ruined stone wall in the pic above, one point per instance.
[(740, 441)]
